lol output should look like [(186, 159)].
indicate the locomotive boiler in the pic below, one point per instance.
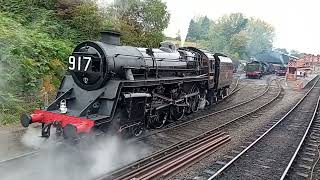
[(110, 88)]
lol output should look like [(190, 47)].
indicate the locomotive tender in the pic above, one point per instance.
[(124, 89)]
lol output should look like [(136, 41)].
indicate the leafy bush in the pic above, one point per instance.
[(31, 53), (36, 37), (27, 56)]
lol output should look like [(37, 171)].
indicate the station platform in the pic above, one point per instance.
[(300, 82)]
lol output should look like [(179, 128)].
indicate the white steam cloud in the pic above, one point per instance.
[(32, 139), (72, 162), (113, 153)]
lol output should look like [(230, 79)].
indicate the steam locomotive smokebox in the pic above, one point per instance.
[(111, 37)]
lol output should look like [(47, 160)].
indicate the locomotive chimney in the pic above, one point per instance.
[(111, 37)]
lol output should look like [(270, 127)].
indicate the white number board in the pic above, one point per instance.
[(75, 63)]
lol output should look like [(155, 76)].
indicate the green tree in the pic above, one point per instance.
[(204, 28), (155, 17), (140, 22), (193, 31), (37, 36), (261, 36), (88, 20), (297, 53), (199, 28), (240, 37), (230, 25), (227, 35), (238, 45), (35, 41)]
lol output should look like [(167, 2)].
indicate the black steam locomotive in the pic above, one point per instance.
[(123, 89)]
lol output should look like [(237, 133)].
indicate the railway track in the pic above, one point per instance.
[(34, 152), (306, 157), (271, 153), (190, 128), (190, 131), (166, 141), (197, 117), (171, 159)]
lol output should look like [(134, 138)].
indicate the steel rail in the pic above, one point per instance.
[(301, 141), (177, 159), (210, 114), (175, 163), (263, 135), (149, 159), (32, 153), (234, 90)]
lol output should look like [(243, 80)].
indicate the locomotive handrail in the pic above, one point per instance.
[(161, 59), (163, 69), (86, 53), (176, 69), (140, 57), (116, 55)]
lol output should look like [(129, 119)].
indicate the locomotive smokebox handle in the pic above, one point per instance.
[(25, 120)]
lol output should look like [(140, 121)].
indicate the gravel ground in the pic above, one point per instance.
[(12, 143), (35, 161), (306, 163), (197, 127), (248, 90), (302, 168), (316, 172), (269, 157), (240, 134), (251, 88)]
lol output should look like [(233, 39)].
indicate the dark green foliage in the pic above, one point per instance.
[(228, 35), (34, 43), (27, 55), (199, 28), (235, 35), (87, 19), (261, 36), (204, 28), (37, 36), (141, 22), (193, 31)]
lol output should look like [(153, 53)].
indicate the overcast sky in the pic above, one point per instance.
[(296, 22)]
